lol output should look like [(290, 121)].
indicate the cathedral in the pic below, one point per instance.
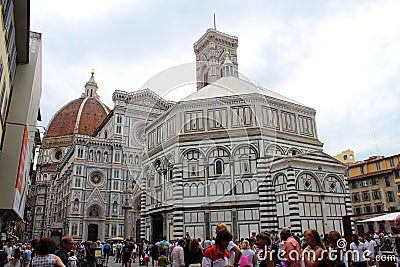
[(232, 152)]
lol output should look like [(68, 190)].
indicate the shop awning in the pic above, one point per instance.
[(386, 217)]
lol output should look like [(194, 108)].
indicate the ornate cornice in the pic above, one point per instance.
[(136, 96), (218, 37), (58, 141)]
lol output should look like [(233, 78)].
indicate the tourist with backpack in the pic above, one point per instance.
[(106, 251)]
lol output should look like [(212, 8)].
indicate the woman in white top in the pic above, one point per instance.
[(72, 260), (177, 255), (248, 252)]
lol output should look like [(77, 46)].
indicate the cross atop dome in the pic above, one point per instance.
[(91, 87), (92, 77)]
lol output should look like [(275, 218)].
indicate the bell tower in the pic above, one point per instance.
[(212, 50)]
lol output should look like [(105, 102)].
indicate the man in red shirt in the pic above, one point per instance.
[(290, 249), (234, 251)]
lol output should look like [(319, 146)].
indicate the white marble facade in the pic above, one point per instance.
[(236, 153), (232, 152), (84, 183)]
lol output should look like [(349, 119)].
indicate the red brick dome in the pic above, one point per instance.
[(80, 116)]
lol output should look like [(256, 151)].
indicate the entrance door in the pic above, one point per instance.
[(93, 231), (138, 229), (157, 227)]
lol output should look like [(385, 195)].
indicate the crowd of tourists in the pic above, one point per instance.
[(265, 249)]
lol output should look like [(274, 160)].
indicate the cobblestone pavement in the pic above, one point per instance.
[(111, 263)]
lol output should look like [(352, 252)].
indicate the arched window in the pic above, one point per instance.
[(74, 229), (76, 205), (332, 184), (220, 188), (186, 190), (119, 119), (274, 150), (213, 189), (218, 162), (246, 186), (239, 187), (219, 167), (117, 156), (115, 207), (192, 164), (194, 169), (293, 152), (253, 186), (227, 188), (205, 78), (80, 153), (193, 190), (94, 212), (113, 230), (200, 190), (245, 158), (105, 157), (307, 182), (98, 156)]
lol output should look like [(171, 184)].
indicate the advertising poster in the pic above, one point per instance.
[(22, 176)]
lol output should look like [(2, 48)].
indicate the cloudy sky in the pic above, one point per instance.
[(340, 57)]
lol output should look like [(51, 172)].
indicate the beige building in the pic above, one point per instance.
[(346, 156), (20, 91), (374, 186)]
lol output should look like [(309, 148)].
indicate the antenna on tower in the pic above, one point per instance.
[(215, 24), (378, 150)]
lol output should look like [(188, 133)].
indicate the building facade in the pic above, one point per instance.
[(236, 153), (232, 152), (20, 91), (374, 186), (89, 165)]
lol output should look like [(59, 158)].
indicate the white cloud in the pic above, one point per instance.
[(347, 75), (78, 11)]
